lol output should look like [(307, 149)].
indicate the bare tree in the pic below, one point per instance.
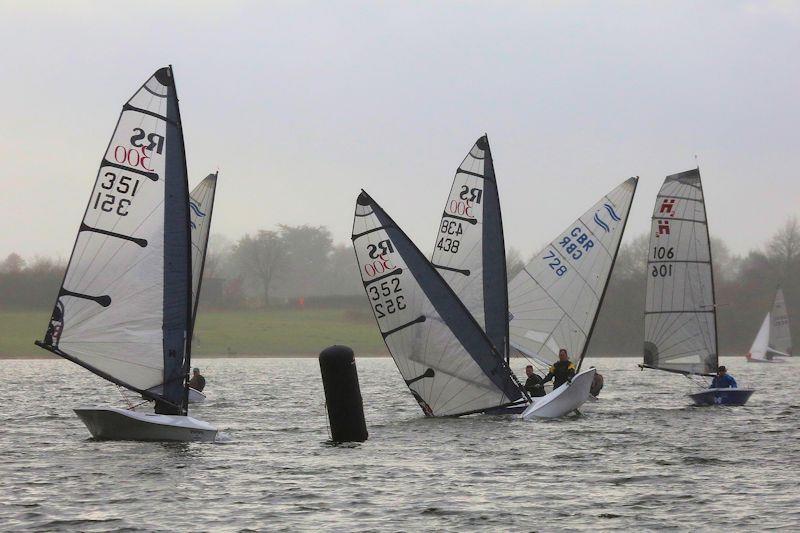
[(261, 257), (12, 264), (784, 247)]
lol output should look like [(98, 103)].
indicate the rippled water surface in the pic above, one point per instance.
[(641, 458)]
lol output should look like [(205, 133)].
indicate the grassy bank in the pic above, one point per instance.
[(231, 333)]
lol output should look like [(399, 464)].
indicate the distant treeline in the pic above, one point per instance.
[(301, 267)]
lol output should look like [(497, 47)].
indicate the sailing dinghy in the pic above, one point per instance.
[(680, 318), (555, 300), (774, 339), (449, 364), (124, 310)]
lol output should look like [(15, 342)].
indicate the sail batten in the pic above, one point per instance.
[(124, 304), (448, 363), (680, 307), (555, 299)]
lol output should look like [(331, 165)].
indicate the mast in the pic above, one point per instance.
[(608, 278), (178, 214), (711, 267)]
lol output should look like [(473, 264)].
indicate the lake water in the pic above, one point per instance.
[(641, 458)]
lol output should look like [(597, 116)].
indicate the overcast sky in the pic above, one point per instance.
[(301, 104)]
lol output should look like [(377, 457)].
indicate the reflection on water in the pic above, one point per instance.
[(640, 458)]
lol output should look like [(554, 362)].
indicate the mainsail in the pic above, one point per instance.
[(680, 330), (780, 337), (447, 361), (554, 300), (201, 205), (470, 252), (760, 347), (124, 307)]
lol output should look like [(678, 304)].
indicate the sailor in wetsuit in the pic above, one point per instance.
[(562, 370), (534, 384), (723, 380), (197, 382)]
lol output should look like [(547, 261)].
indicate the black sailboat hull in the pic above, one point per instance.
[(721, 397)]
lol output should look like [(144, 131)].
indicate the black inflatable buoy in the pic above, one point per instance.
[(342, 394)]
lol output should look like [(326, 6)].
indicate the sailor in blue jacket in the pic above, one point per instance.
[(723, 380)]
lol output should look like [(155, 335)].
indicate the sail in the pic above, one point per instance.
[(124, 306), (761, 343), (469, 252), (680, 313), (780, 337), (448, 363), (201, 204), (554, 300)]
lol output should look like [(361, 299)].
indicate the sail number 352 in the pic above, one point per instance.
[(392, 302)]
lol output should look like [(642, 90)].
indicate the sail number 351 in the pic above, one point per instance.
[(110, 203)]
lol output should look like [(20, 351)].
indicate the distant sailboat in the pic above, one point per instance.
[(449, 364), (554, 301), (774, 339), (680, 316), (125, 307)]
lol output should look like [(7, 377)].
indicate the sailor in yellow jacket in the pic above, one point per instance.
[(562, 370)]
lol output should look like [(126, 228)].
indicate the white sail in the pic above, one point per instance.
[(469, 251), (447, 361), (680, 313), (761, 343), (124, 305), (201, 205), (554, 300), (780, 337)]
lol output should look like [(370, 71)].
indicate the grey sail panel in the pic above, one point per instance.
[(680, 312), (780, 336), (449, 364), (110, 311), (469, 252), (554, 300), (201, 207)]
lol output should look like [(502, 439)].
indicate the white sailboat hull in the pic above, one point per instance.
[(112, 423), (195, 396), (756, 359), (562, 401)]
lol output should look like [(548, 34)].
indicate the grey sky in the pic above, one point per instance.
[(301, 104)]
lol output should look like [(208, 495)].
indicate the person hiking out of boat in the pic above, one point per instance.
[(723, 380), (534, 384), (562, 370), (197, 382)]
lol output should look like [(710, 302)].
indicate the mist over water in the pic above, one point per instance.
[(641, 458)]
